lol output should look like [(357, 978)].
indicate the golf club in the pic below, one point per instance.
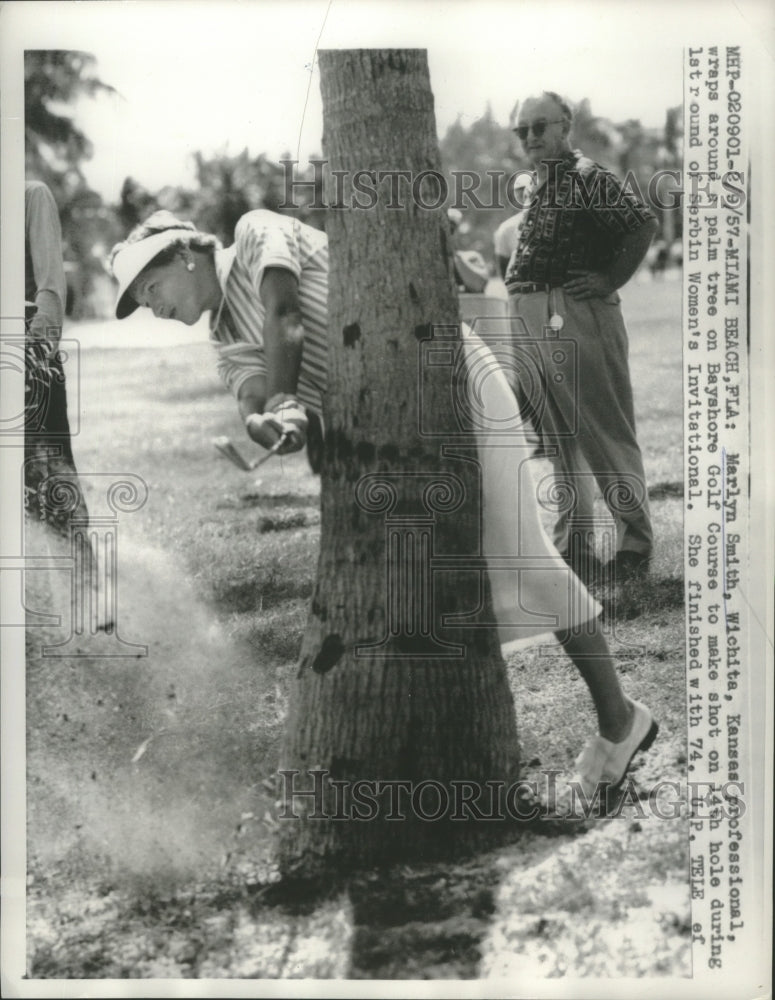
[(228, 450)]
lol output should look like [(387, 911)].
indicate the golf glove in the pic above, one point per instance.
[(283, 417)]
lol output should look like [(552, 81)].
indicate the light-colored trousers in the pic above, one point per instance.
[(533, 591), (577, 381)]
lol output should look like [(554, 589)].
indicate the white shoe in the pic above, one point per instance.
[(604, 762)]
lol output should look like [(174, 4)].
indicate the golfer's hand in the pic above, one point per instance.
[(285, 418), (589, 285)]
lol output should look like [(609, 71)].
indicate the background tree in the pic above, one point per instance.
[(385, 691), (135, 204), (227, 186), (54, 145), (670, 157), (55, 148), (482, 146)]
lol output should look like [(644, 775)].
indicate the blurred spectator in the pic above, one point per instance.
[(471, 271), (47, 447)]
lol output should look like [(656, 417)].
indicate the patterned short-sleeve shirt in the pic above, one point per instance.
[(265, 239), (574, 222)]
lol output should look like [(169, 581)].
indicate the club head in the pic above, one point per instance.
[(227, 449), (272, 451)]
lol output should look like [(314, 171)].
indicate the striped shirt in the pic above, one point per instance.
[(265, 239)]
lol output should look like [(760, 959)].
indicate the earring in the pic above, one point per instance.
[(190, 266)]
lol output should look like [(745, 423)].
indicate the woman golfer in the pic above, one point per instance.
[(267, 296)]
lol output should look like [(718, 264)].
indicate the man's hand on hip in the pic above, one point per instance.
[(589, 285)]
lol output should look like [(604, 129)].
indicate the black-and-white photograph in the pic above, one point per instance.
[(386, 547)]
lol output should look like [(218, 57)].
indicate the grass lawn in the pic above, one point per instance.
[(151, 779)]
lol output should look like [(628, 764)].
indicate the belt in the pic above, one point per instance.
[(526, 287)]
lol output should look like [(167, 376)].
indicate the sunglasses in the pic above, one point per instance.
[(538, 129)]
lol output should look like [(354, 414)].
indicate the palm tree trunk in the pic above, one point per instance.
[(387, 691)]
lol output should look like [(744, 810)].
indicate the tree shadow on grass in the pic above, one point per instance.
[(664, 491), (422, 923), (420, 919), (255, 498)]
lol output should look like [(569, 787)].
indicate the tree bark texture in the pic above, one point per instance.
[(386, 690)]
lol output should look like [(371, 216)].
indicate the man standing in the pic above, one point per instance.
[(583, 237), (48, 450)]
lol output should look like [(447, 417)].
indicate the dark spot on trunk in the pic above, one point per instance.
[(338, 447), (345, 767), (320, 610), (482, 904), (330, 653), (351, 333), (364, 452), (388, 453), (413, 293), (423, 331)]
